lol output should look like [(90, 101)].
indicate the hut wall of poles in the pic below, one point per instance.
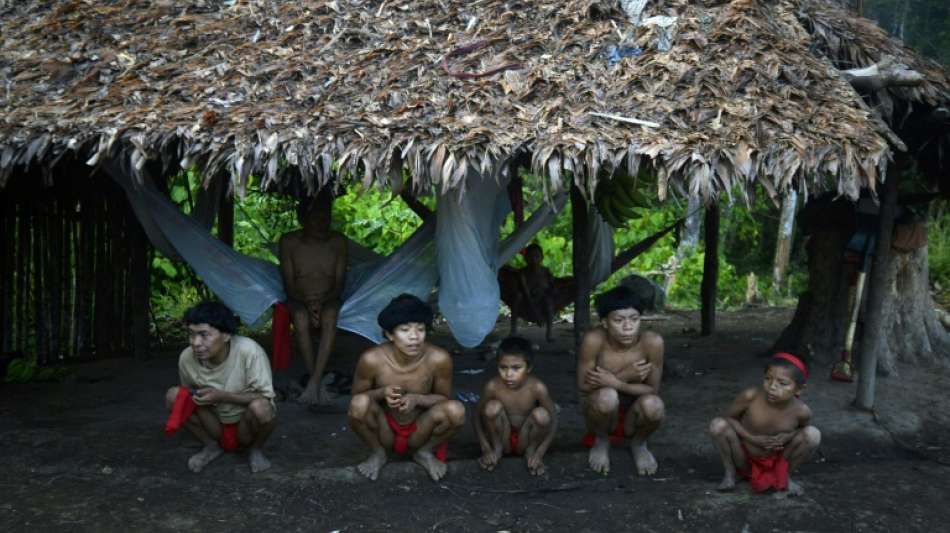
[(73, 269)]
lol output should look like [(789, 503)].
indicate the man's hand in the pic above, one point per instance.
[(408, 403), (642, 370), (208, 396), (393, 397), (599, 377)]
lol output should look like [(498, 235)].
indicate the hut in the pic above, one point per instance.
[(711, 97)]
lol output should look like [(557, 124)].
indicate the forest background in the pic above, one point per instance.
[(748, 233)]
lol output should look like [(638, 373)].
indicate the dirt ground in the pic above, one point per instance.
[(90, 455)]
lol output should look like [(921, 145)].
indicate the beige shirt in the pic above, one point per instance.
[(246, 370)]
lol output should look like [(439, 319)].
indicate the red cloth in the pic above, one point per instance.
[(513, 440), (280, 330), (615, 438), (766, 472), (182, 409), (229, 437), (403, 432)]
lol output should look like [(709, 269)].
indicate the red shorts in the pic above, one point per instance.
[(766, 472), (402, 432), (182, 410), (616, 437), (513, 439)]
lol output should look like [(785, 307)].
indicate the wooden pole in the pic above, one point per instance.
[(783, 244), (39, 301), (140, 287), (710, 270), (871, 341), (226, 218), (23, 275), (7, 218), (580, 257)]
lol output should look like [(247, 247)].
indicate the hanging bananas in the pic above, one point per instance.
[(623, 198)]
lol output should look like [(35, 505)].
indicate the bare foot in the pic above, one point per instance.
[(371, 467), (599, 457), (535, 464), (489, 460), (646, 463), (315, 394), (435, 468), (198, 461), (795, 489), (728, 482), (255, 458)]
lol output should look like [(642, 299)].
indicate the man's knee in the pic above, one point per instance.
[(541, 417), (262, 410), (454, 412), (652, 408), (811, 436), (360, 406), (493, 409), (718, 427), (170, 397), (605, 401)]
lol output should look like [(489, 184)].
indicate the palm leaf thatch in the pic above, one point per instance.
[(307, 89)]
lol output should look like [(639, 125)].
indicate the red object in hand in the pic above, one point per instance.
[(182, 410)]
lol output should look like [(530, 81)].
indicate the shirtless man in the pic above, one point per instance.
[(535, 286), (313, 265), (618, 375), (401, 392), (516, 414), (767, 432), (225, 397)]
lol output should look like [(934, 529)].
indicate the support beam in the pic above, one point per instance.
[(226, 218), (783, 245), (710, 270), (580, 257), (871, 340), (139, 280)]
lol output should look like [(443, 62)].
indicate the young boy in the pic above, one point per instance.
[(401, 392), (515, 414), (767, 432), (619, 368)]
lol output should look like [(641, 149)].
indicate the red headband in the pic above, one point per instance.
[(794, 360)]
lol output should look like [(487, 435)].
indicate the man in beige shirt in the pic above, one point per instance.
[(228, 378)]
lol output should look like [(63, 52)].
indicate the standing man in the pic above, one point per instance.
[(225, 397), (618, 375), (313, 266), (401, 393)]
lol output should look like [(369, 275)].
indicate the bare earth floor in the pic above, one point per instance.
[(90, 455)]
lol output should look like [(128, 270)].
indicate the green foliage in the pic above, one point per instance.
[(377, 220), (25, 370), (938, 240), (922, 24)]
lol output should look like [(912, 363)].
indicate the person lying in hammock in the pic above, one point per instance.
[(401, 393), (313, 266), (534, 295)]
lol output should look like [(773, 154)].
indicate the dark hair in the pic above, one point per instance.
[(214, 314), (799, 377), (533, 246), (517, 346), (323, 200), (619, 297), (404, 309)]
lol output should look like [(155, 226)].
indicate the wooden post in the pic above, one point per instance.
[(226, 218), (871, 340), (710, 270), (139, 280), (783, 244), (7, 218), (580, 257)]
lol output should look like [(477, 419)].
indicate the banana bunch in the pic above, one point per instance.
[(623, 198)]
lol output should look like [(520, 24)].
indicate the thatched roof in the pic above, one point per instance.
[(298, 88)]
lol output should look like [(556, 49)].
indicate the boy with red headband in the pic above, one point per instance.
[(767, 433)]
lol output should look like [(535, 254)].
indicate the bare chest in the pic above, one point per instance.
[(419, 379), (615, 360), (314, 258), (761, 418)]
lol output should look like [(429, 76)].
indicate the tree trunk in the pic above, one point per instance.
[(783, 246), (710, 271), (581, 267), (909, 326), (689, 239), (226, 218)]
